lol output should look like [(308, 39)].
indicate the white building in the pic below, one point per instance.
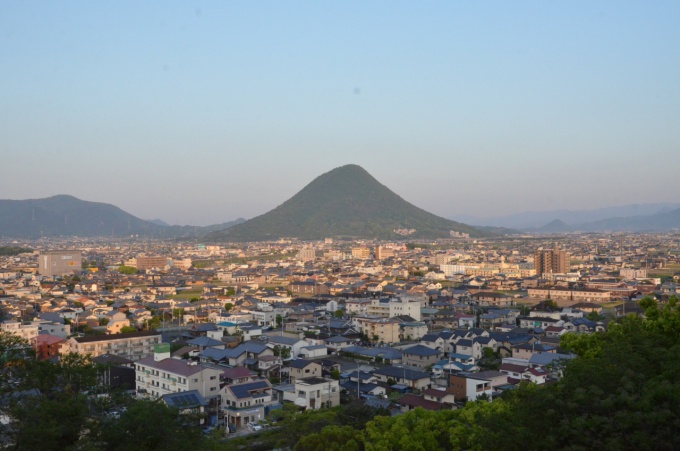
[(317, 393), (159, 375), (133, 346), (27, 330)]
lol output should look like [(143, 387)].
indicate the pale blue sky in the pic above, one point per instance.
[(201, 112)]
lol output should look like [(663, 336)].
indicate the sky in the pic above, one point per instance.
[(202, 112)]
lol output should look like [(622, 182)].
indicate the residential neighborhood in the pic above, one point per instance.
[(245, 330)]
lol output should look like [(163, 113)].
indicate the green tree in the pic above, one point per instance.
[(128, 329), (151, 425), (331, 438), (279, 321), (228, 306), (339, 313), (129, 270)]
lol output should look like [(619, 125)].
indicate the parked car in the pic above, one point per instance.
[(231, 427), (255, 427)]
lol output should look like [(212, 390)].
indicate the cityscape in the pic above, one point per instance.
[(247, 335), (349, 226)]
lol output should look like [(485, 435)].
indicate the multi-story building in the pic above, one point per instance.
[(552, 261), (469, 386), (182, 263), (382, 253), (306, 254), (144, 263), (133, 346), (388, 308), (28, 330), (245, 403), (48, 346), (317, 393), (361, 253), (567, 295), (421, 356), (630, 273), (159, 375), (59, 263)]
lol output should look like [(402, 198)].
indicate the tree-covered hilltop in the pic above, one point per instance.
[(346, 201), (623, 392), (13, 250)]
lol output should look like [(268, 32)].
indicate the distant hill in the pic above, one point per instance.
[(537, 219), (658, 222), (158, 222), (555, 226), (347, 202), (64, 215)]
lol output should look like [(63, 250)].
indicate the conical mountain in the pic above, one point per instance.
[(346, 202)]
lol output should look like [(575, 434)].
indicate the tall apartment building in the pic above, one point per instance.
[(361, 253), (553, 261), (306, 253), (144, 263), (58, 263), (631, 274), (133, 346), (382, 253)]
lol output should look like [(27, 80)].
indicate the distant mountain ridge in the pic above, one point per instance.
[(347, 202), (530, 220), (659, 222), (64, 215)]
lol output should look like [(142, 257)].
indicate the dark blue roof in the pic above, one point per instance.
[(243, 390), (421, 350), (184, 400), (407, 373)]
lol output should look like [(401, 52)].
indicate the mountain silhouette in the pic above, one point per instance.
[(345, 202)]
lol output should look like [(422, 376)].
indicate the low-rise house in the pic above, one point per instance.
[(526, 350), (317, 393), (295, 345), (421, 356), (190, 402), (440, 395), (411, 401), (299, 369), (246, 402), (469, 386), (313, 352), (338, 342), (413, 379)]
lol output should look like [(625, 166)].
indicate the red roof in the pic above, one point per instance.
[(416, 401)]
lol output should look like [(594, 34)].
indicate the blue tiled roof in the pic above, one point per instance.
[(421, 350), (243, 390), (184, 400)]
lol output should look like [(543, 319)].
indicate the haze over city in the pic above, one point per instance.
[(199, 113)]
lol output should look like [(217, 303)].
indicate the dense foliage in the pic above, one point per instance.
[(13, 250), (623, 392), (62, 406)]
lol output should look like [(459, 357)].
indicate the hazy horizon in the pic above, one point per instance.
[(206, 112)]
